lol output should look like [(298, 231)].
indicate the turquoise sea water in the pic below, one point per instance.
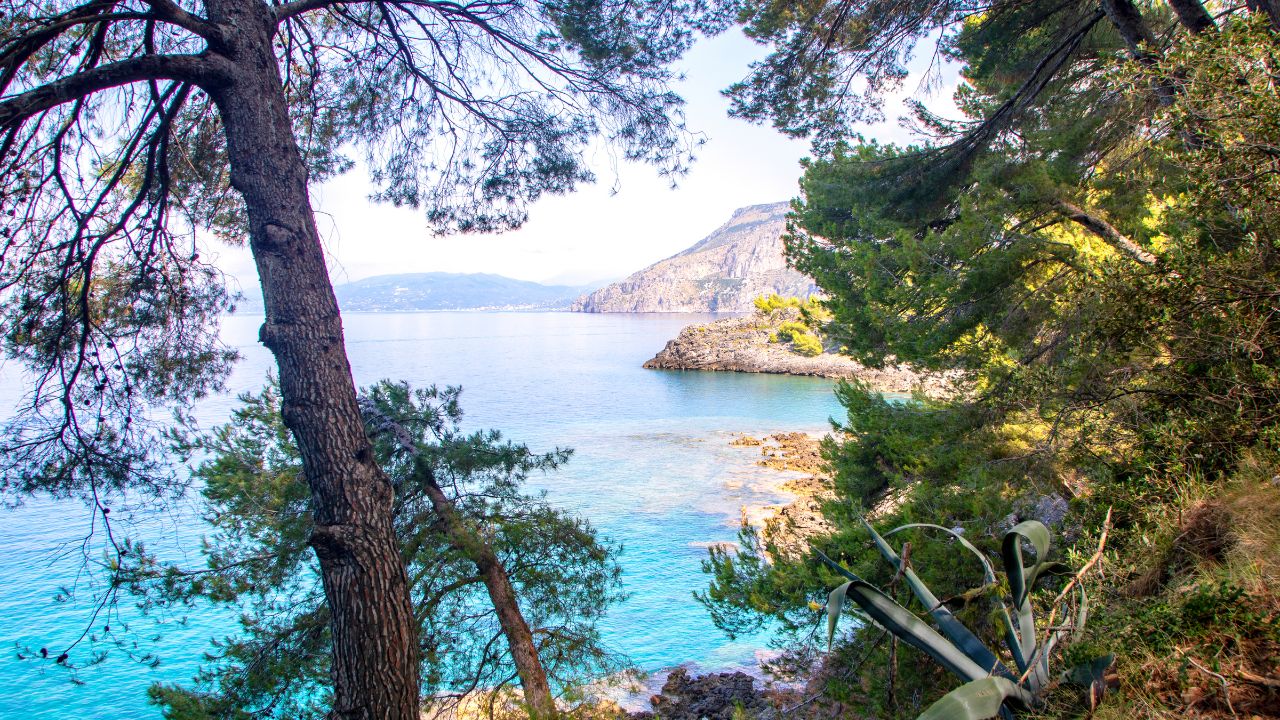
[(653, 469)]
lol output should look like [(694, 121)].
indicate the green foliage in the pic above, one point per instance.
[(820, 47), (1094, 247), (124, 317), (989, 684), (806, 344), (815, 315), (766, 304), (802, 321), (1130, 365), (259, 560), (1223, 606), (790, 329)]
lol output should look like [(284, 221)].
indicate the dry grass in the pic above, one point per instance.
[(1203, 635)]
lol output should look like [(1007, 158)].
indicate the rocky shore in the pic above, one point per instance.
[(732, 695), (714, 696), (789, 526), (742, 344)]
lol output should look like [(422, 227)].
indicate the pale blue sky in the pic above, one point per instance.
[(590, 235)]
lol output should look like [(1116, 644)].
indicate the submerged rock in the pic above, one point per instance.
[(716, 696)]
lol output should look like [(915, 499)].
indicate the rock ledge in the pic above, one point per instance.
[(742, 345)]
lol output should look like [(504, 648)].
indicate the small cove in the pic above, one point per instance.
[(653, 469)]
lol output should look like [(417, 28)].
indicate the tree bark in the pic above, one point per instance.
[(1192, 15), (533, 678), (1270, 7), (1128, 21), (375, 658)]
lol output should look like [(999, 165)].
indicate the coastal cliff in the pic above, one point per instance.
[(723, 272), (743, 344)]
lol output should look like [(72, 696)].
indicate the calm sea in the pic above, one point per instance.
[(652, 469)]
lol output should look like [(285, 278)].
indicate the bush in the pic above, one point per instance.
[(790, 330), (806, 344), (766, 304)]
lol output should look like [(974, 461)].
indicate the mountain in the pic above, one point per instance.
[(451, 291), (723, 272)]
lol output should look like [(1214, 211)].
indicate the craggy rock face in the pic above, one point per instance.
[(724, 272)]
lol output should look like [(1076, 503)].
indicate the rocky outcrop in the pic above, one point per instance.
[(742, 345), (706, 697), (724, 272), (787, 528)]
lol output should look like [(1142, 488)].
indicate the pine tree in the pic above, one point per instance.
[(126, 126)]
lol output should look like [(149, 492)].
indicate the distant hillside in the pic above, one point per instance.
[(451, 291), (723, 272)]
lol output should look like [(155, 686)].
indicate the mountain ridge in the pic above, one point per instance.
[(723, 272), (408, 292)]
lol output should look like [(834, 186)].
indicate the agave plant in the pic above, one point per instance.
[(992, 688)]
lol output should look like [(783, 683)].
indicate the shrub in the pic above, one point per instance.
[(990, 686), (766, 304), (791, 329), (806, 344)]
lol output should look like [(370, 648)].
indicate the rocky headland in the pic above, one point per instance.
[(742, 344), (723, 272)]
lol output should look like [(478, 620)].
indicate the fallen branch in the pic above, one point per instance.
[(1226, 686), (1057, 602)]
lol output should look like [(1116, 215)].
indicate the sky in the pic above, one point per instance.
[(593, 235)]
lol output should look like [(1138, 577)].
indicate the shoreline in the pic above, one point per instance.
[(748, 344), (798, 474), (787, 468)]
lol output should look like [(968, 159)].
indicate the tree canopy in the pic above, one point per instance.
[(1091, 243), (258, 561), (131, 128), (114, 157)]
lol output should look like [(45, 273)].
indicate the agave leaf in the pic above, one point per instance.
[(1021, 581), (1091, 675), (835, 565), (1022, 577), (905, 625), (960, 636), (835, 603), (1011, 639), (976, 700), (1082, 615)]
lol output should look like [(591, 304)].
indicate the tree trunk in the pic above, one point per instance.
[(1128, 21), (375, 659), (533, 678), (1192, 15), (1270, 7)]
